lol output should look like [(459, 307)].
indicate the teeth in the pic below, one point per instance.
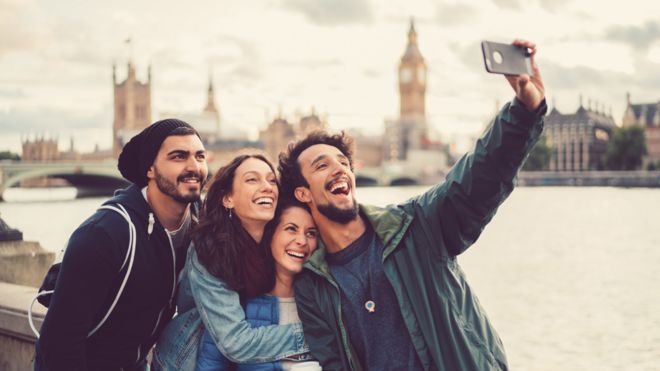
[(296, 254), (264, 201), (339, 185)]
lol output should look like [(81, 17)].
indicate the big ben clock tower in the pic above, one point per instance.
[(412, 78), (409, 131)]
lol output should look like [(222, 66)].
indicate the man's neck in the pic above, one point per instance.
[(337, 236), (169, 212)]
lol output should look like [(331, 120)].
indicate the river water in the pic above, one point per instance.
[(570, 277)]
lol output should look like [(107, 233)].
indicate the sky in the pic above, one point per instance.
[(339, 57)]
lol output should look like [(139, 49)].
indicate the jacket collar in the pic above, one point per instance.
[(132, 198), (389, 224)]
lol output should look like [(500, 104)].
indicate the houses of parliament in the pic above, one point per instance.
[(405, 138), (578, 141)]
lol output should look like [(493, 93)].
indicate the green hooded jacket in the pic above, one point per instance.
[(421, 239)]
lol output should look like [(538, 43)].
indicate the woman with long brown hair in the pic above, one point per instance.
[(226, 266)]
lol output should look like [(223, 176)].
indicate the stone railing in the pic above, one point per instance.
[(23, 265), (16, 338)]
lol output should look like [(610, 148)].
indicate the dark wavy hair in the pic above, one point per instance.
[(290, 175), (220, 240)]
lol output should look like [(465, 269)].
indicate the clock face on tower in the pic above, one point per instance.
[(405, 75), (421, 74)]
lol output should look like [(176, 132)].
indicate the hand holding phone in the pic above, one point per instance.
[(506, 59), (523, 75)]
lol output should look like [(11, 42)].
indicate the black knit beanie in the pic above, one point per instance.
[(140, 152)]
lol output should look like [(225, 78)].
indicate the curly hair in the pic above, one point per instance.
[(290, 175), (221, 242)]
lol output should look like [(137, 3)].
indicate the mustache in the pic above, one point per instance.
[(190, 174)]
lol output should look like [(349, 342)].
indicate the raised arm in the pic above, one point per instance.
[(458, 209), (224, 318)]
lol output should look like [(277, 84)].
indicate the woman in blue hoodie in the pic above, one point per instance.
[(291, 236)]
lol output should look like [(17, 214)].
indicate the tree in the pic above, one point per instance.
[(539, 157), (8, 155), (626, 148)]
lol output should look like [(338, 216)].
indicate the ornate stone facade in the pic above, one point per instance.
[(40, 149), (646, 115), (578, 140), (132, 107)]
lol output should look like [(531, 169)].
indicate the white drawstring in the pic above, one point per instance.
[(130, 256), (150, 227)]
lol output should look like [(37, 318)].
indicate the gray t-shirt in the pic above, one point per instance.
[(178, 236), (289, 314)]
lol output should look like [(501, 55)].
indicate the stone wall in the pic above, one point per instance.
[(16, 338), (24, 263)]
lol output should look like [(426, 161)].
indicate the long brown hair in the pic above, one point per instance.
[(223, 246)]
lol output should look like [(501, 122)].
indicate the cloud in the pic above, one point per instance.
[(333, 12), (507, 4), (50, 120), (639, 38), (16, 33), (469, 54), (552, 5), (12, 93), (451, 14)]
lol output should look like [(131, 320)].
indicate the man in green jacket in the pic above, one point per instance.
[(384, 291)]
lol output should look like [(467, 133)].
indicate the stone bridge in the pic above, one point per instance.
[(89, 178)]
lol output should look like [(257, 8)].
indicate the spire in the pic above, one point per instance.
[(131, 70), (114, 73), (210, 97), (412, 34), (412, 52)]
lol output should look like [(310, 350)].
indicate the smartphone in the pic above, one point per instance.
[(506, 59)]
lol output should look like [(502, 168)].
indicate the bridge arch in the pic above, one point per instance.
[(365, 181), (89, 180), (404, 181)]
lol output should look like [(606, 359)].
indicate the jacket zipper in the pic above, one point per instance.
[(160, 314)]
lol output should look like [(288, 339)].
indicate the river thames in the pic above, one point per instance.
[(570, 277)]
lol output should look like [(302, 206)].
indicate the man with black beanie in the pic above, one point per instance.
[(116, 284)]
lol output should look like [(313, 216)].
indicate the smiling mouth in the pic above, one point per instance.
[(265, 201), (190, 180), (295, 254), (339, 187)]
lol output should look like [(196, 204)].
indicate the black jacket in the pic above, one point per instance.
[(89, 281)]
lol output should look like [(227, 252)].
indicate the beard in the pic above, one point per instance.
[(169, 188), (341, 216)]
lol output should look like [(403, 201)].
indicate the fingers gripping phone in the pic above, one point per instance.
[(506, 59)]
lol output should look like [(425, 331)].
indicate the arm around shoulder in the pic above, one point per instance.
[(224, 318)]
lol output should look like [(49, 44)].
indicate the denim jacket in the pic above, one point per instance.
[(260, 311), (203, 301)]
